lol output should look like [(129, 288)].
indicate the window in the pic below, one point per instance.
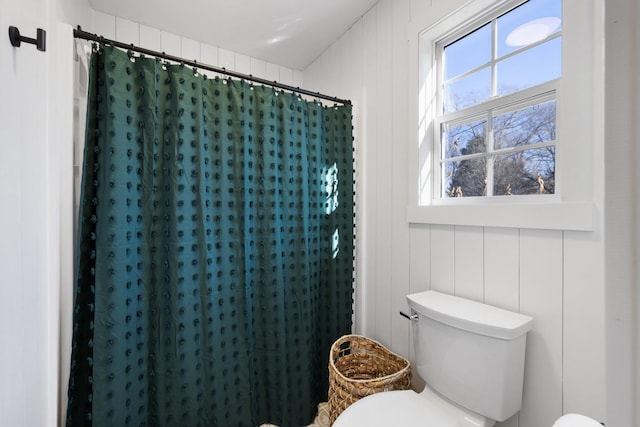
[(496, 104), (508, 108)]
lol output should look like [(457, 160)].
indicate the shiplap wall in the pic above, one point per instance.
[(557, 277), (127, 31), (25, 219), (622, 222)]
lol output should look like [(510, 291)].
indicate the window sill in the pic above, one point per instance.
[(572, 216)]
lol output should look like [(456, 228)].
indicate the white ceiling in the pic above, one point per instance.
[(286, 32)]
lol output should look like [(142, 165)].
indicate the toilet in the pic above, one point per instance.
[(576, 420), (471, 356)]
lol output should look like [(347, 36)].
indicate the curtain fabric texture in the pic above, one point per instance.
[(215, 249)]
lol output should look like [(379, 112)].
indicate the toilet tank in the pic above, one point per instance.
[(471, 353)]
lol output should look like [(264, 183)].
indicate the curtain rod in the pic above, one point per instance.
[(80, 34)]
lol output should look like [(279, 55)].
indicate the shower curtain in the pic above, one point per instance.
[(215, 249)]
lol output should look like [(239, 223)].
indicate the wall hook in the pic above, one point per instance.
[(40, 41)]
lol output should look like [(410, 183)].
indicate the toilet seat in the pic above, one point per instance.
[(406, 407)]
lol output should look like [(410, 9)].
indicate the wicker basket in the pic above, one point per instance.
[(358, 367)]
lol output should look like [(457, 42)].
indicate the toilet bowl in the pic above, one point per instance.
[(471, 356), (405, 408), (575, 420)]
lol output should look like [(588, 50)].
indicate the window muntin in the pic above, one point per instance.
[(496, 130)]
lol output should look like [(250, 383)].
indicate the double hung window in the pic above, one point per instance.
[(495, 103)]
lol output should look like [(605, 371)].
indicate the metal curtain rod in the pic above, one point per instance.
[(80, 34)]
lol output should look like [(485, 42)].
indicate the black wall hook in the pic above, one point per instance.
[(40, 41)]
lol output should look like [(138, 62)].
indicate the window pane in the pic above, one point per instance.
[(530, 125), (531, 67), (465, 178), (468, 91), (528, 23), (465, 139), (525, 172), (467, 53)]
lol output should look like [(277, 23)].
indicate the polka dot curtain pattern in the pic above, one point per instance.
[(215, 249)]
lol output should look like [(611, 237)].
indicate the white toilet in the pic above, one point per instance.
[(471, 356), (576, 420)]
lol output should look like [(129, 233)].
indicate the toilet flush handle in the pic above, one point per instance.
[(412, 317)]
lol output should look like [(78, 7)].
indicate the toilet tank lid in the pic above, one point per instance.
[(470, 315)]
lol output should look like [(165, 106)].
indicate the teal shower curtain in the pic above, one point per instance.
[(215, 249)]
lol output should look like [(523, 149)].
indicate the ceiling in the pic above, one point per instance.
[(291, 33)]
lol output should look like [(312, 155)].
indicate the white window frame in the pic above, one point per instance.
[(580, 123)]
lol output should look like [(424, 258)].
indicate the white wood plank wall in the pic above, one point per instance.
[(556, 277), (163, 41)]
